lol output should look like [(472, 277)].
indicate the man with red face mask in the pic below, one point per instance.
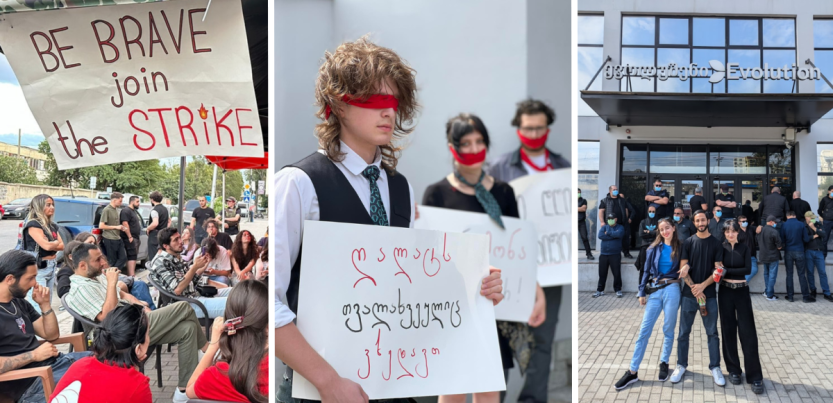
[(366, 95), (533, 119)]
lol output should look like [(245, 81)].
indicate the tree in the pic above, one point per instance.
[(137, 177), (16, 170)]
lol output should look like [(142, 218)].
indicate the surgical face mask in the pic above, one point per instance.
[(657, 188), (616, 193), (774, 225), (744, 224), (579, 195), (676, 218), (611, 222), (651, 215), (718, 214)]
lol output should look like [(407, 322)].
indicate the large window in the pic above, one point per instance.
[(823, 55), (588, 182), (824, 167), (683, 40), (590, 41)]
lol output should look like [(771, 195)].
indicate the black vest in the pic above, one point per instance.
[(338, 202), (163, 217)]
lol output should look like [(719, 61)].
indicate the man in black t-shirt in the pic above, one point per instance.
[(212, 229), (616, 204), (582, 225), (700, 254), (726, 201), (130, 218), (201, 213), (698, 202), (21, 325)]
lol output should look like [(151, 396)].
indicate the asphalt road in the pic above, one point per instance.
[(8, 234)]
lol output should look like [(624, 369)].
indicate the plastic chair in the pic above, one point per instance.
[(165, 298), (90, 326), (76, 340)]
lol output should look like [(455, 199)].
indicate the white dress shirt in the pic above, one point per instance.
[(539, 160), (296, 201)]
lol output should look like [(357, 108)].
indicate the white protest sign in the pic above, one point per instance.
[(137, 82), (546, 200), (398, 310), (512, 250)]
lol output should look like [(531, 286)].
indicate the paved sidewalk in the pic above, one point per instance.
[(794, 344)]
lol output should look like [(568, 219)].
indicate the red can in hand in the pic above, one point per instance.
[(718, 273)]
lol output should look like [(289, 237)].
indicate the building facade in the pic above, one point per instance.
[(704, 93), (34, 158)]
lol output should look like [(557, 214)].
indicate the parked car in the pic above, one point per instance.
[(106, 196), (78, 215), (173, 212), (17, 208), (188, 210)]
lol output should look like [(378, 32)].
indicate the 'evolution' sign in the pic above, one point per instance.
[(715, 72)]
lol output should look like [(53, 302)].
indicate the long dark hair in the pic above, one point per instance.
[(250, 255), (83, 236), (245, 349), (122, 330), (675, 241), (68, 249)]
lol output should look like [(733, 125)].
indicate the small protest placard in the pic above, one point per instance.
[(546, 200), (397, 310), (513, 250)]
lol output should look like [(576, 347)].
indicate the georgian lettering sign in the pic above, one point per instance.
[(716, 71)]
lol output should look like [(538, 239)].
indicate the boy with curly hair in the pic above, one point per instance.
[(367, 101)]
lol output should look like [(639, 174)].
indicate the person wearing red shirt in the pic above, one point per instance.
[(240, 373), (120, 345)]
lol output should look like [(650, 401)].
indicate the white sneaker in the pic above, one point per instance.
[(678, 374), (717, 374), (180, 397)]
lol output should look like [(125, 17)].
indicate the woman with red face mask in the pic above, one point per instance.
[(469, 188)]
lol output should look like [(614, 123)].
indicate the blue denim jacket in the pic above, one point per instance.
[(652, 268)]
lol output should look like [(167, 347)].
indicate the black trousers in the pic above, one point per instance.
[(114, 249), (614, 262), (582, 231), (737, 320), (153, 244), (626, 240)]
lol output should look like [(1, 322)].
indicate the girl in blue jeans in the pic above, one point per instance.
[(662, 275)]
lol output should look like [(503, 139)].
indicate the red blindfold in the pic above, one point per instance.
[(375, 101)]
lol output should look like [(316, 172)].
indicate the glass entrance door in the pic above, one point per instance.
[(744, 189), (687, 187)]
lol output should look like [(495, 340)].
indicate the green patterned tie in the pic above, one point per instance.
[(484, 197), (377, 209)]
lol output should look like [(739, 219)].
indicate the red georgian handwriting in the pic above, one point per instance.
[(362, 254)]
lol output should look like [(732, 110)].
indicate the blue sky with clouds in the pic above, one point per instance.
[(14, 111)]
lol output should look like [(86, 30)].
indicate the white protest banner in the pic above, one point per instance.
[(512, 250), (398, 310), (546, 200), (137, 82)]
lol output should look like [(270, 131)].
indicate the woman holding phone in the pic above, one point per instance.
[(659, 292)]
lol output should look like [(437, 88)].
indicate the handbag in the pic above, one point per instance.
[(207, 290), (39, 263)]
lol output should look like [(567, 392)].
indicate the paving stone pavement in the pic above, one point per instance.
[(794, 347)]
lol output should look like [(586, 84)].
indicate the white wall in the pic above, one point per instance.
[(593, 128), (478, 56)]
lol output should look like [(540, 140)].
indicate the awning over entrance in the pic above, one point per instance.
[(708, 110)]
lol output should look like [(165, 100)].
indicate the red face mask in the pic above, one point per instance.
[(468, 159), (534, 144), (375, 101)]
